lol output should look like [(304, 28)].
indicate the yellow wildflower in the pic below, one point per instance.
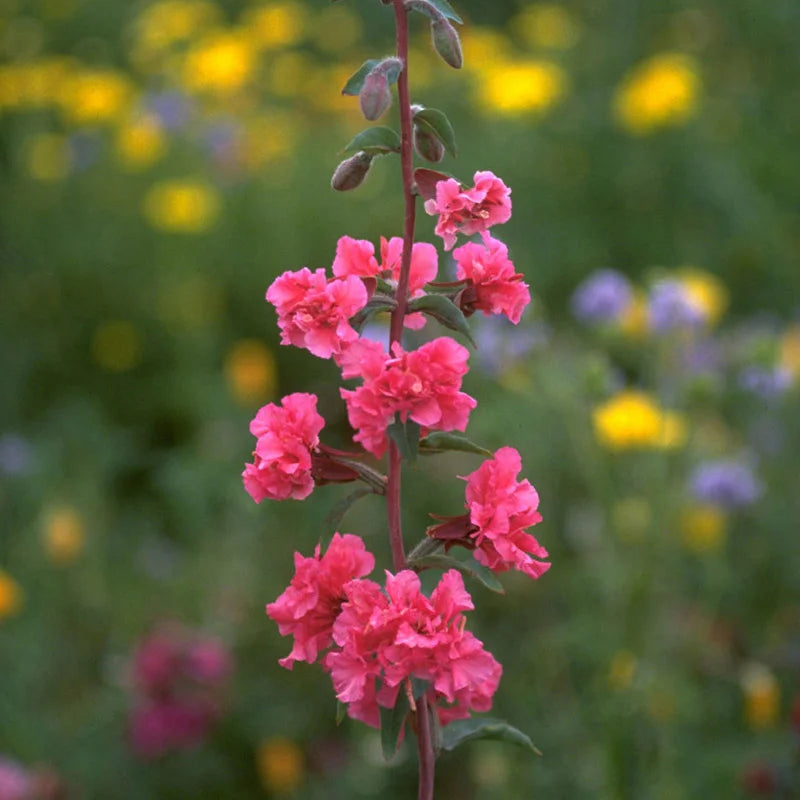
[(64, 535), (633, 419), (140, 142), (546, 25), (662, 91), (275, 25), (93, 96), (706, 292), (117, 346), (163, 24), (223, 61), (11, 596), (519, 87), (622, 670), (37, 84), (49, 157), (280, 765), (633, 321), (762, 695), (703, 528), (250, 371), (790, 351), (186, 206), (483, 46)]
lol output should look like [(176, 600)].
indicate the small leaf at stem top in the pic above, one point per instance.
[(465, 730), (376, 141)]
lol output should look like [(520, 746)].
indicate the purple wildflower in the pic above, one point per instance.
[(603, 297), (725, 483), (765, 382), (670, 307)]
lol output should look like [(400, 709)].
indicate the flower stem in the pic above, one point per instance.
[(427, 756)]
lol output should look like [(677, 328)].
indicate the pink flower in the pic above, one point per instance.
[(287, 435), (496, 286), (501, 508), (355, 257), (386, 639), (469, 211), (423, 385), (159, 727), (308, 607), (313, 312), (16, 783)]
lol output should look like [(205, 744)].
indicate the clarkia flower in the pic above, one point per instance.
[(469, 211), (495, 286), (308, 607), (386, 639), (423, 385), (726, 483), (314, 312), (602, 298), (287, 437)]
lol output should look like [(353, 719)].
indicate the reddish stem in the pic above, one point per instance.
[(427, 756)]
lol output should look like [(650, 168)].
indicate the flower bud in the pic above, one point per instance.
[(351, 172), (428, 145), (446, 42), (375, 97)]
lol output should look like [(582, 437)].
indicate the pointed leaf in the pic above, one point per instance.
[(439, 441), (341, 712), (434, 9), (426, 180), (406, 436), (447, 10), (377, 303), (465, 730), (336, 514), (375, 141), (437, 123), (445, 311), (471, 568), (392, 720), (356, 81)]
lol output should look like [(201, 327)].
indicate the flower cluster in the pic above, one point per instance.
[(179, 678), (287, 436), (423, 385)]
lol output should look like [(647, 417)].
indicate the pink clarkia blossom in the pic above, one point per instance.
[(385, 639), (308, 607), (287, 436), (471, 210), (157, 728), (423, 385), (502, 508), (498, 288), (314, 312)]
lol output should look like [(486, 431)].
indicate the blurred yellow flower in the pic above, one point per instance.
[(140, 142), (661, 704), (546, 25), (36, 84), (622, 670), (790, 351), (116, 346), (250, 371), (706, 291), (703, 528), (633, 419), (275, 25), (519, 87), (632, 518), (49, 157), (64, 535), (662, 91), (762, 695), (633, 321), (182, 206), (483, 46), (222, 61), (162, 24), (93, 96), (11, 597), (280, 765), (336, 29)]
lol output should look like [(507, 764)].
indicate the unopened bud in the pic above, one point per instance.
[(374, 97), (351, 172), (428, 145), (446, 42)]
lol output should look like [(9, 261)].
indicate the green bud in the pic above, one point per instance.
[(427, 145), (350, 174), (446, 42)]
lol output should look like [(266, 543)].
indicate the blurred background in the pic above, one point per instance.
[(162, 162)]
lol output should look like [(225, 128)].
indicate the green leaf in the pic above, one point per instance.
[(442, 6), (406, 436), (392, 720), (466, 730), (444, 310), (356, 81), (439, 441), (437, 123), (336, 514), (376, 304), (341, 712), (471, 568), (376, 141)]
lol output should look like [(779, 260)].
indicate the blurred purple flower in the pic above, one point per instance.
[(670, 307), (16, 456), (765, 382), (602, 297), (725, 483), (503, 344), (702, 357), (171, 107)]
